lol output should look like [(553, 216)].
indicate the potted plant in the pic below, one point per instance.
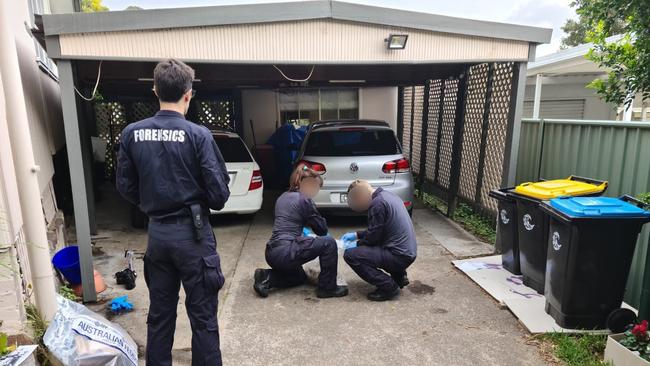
[(631, 348)]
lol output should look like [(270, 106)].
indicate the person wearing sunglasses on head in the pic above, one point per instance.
[(288, 249)]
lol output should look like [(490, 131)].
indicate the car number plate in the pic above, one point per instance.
[(344, 198)]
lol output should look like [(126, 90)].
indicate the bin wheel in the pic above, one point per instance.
[(619, 319)]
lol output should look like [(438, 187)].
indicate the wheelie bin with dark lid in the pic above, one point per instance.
[(507, 237), (532, 223), (590, 248)]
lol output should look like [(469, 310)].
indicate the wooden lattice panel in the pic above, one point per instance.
[(215, 114), (472, 129), (110, 118), (497, 131), (435, 93), (447, 136), (418, 104)]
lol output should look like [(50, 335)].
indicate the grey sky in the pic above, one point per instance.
[(543, 13)]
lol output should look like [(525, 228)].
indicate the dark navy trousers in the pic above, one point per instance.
[(286, 258), (370, 262), (173, 258)]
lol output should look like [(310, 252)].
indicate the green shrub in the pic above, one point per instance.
[(645, 197)]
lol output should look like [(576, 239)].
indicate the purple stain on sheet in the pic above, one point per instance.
[(492, 266), (517, 280)]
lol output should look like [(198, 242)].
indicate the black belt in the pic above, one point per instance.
[(181, 220)]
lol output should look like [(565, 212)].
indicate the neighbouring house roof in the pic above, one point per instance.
[(569, 61), (132, 20)]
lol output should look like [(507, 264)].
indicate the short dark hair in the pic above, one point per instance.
[(172, 78), (301, 172)]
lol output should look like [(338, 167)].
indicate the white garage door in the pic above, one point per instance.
[(562, 109)]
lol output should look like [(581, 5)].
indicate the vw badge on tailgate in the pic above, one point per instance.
[(354, 168)]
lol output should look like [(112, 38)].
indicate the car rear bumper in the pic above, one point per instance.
[(328, 199), (248, 203)]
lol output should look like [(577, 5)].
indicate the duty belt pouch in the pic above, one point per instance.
[(197, 221)]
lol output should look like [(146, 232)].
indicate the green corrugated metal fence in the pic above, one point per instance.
[(618, 152)]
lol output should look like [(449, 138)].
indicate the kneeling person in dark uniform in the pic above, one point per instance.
[(288, 249), (173, 170), (385, 250)]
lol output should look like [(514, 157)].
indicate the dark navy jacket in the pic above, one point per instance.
[(293, 211), (389, 225), (166, 163)]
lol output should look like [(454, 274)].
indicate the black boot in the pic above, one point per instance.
[(262, 282), (338, 291), (383, 295), (401, 281)]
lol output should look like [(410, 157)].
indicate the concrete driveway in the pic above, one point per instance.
[(442, 318)]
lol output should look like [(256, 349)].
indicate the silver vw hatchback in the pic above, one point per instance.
[(345, 150)]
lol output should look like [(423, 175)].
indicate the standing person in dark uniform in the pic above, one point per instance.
[(388, 244), (288, 250), (172, 169)]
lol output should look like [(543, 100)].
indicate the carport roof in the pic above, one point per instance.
[(129, 20)]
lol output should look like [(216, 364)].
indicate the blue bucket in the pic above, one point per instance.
[(66, 261)]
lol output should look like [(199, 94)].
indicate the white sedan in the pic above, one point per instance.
[(246, 185)]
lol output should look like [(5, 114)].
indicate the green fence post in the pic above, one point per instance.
[(540, 149)]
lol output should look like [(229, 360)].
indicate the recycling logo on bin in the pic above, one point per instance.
[(527, 222), (504, 217), (556, 241)]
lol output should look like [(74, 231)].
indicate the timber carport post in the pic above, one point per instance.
[(351, 47)]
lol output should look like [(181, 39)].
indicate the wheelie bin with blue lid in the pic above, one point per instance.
[(591, 243), (532, 223)]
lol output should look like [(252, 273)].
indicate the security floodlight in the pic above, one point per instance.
[(396, 41)]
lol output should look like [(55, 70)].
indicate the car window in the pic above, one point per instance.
[(233, 149), (352, 142)]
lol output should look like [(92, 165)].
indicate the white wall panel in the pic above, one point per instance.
[(311, 41)]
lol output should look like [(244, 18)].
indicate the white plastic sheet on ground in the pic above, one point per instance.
[(312, 268), (78, 336)]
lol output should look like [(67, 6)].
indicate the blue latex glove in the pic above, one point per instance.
[(121, 304), (307, 231), (349, 244), (349, 236)]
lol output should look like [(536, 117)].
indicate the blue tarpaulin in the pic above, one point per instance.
[(286, 142)]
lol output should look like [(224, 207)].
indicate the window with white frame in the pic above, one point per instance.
[(302, 106), (35, 7), (44, 61)]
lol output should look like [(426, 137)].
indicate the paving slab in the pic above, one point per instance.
[(450, 235)]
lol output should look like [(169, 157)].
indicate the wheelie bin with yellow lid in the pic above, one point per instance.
[(532, 222)]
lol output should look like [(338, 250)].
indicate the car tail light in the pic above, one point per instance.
[(396, 166), (408, 204), (256, 180), (316, 166)]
